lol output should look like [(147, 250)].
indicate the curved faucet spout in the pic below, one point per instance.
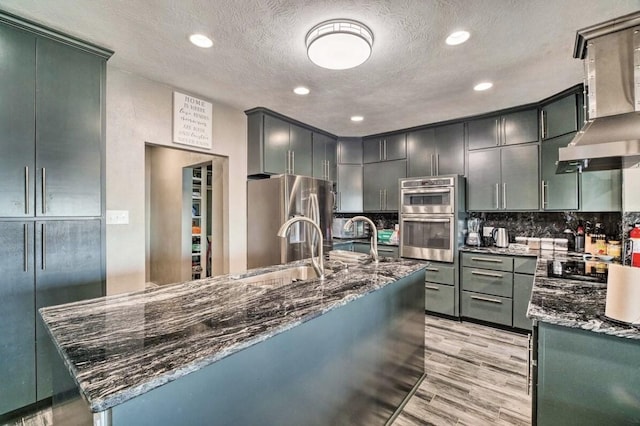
[(318, 265), (374, 233)]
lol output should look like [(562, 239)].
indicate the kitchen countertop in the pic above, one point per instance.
[(121, 346), (565, 302)]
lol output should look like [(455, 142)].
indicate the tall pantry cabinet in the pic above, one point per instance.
[(52, 203)]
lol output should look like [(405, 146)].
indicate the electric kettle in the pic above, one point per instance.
[(500, 237)]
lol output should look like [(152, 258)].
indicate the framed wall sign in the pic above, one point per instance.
[(192, 121)]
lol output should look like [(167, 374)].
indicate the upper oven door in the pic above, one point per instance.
[(428, 200), (427, 237)]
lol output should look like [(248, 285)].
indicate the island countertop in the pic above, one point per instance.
[(121, 346)]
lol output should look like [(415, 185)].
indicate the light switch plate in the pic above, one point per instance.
[(117, 217)]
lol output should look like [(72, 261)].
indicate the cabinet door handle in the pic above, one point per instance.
[(44, 190), (383, 250), (437, 164), (385, 149), (340, 200), (26, 190), (485, 299), (486, 274), (497, 132), (432, 269), (385, 198), (380, 149), (497, 196), (504, 195), (293, 162), (432, 287), (544, 194), (433, 167), (26, 247), (528, 362), (543, 123), (44, 246), (486, 259)]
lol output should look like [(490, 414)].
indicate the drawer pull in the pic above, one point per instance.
[(431, 287), (432, 269), (484, 299), (486, 259), (486, 274), (386, 250)]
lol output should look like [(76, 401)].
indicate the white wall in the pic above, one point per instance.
[(139, 111)]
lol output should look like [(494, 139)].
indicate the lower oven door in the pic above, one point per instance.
[(427, 237)]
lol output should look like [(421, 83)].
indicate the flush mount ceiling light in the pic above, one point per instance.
[(200, 40), (300, 90), (483, 86), (357, 118), (457, 37), (339, 44)]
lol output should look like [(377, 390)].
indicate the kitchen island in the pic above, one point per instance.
[(586, 366), (245, 349)]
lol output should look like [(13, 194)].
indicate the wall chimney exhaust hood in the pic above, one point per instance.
[(610, 138)]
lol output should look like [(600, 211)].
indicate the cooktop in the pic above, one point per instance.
[(590, 270)]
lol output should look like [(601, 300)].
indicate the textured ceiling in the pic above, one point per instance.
[(412, 78)]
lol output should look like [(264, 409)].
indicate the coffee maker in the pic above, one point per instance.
[(473, 232)]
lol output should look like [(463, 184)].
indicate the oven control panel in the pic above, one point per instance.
[(427, 182)]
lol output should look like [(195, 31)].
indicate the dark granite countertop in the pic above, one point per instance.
[(569, 303), (121, 346)]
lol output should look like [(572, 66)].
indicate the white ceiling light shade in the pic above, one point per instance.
[(457, 37), (200, 40), (485, 85), (339, 44), (301, 90), (357, 118)]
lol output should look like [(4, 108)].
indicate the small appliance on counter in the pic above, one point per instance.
[(473, 232), (500, 237), (360, 229)]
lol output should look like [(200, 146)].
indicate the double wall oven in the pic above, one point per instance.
[(430, 212)]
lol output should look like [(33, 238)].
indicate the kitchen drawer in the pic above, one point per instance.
[(525, 265), (498, 283), (493, 309), (486, 261), (440, 273), (388, 251), (439, 298)]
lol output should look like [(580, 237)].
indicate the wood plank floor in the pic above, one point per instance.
[(476, 375)]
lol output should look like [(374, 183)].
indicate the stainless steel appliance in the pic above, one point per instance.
[(271, 202), (431, 217), (473, 232), (500, 237), (360, 229)]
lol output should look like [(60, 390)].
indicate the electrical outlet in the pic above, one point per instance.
[(117, 217)]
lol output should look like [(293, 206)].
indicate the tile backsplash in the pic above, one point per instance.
[(549, 224)]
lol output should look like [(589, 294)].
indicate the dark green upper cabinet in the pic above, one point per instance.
[(386, 148), (277, 146), (350, 151), (503, 178), (324, 157), (68, 130), (17, 115), (483, 133), (559, 191), (509, 129), (301, 151), (381, 185), (560, 117), (436, 151)]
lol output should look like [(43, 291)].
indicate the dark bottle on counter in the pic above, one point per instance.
[(579, 240)]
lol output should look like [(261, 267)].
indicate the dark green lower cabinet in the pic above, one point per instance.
[(440, 298), (485, 307), (522, 286), (17, 334), (43, 263), (586, 378)]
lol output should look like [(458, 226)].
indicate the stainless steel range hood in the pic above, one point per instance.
[(610, 139)]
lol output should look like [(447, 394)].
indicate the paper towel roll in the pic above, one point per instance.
[(623, 293)]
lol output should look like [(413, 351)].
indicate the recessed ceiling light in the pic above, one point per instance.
[(482, 86), (200, 40), (457, 37), (357, 118), (301, 90), (339, 44)]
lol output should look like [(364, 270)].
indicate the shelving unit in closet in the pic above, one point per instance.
[(198, 223)]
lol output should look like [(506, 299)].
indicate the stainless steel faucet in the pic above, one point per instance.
[(318, 266), (374, 233)]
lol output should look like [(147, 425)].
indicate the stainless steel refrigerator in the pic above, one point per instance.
[(271, 202)]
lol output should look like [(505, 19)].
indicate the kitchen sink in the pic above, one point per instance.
[(283, 276)]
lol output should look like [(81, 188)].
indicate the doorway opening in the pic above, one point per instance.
[(184, 215)]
